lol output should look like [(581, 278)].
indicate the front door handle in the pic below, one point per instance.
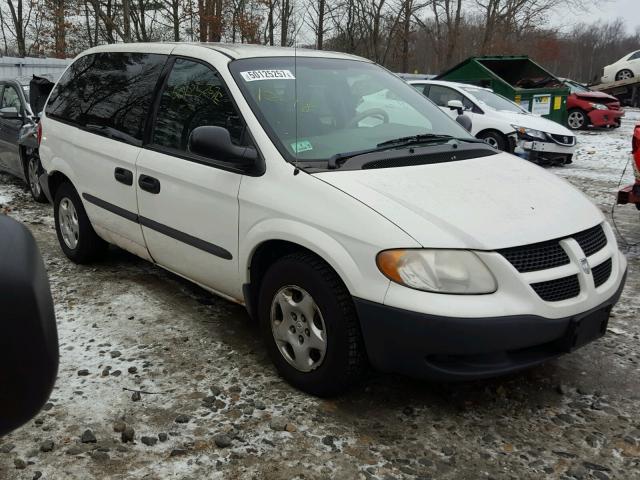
[(149, 184), (123, 175)]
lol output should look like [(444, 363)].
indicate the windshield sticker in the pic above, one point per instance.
[(253, 75), (301, 146)]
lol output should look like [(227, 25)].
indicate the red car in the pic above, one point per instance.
[(587, 107), (631, 193)]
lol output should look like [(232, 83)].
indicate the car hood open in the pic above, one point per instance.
[(484, 203)]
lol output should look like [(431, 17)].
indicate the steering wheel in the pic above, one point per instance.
[(372, 112)]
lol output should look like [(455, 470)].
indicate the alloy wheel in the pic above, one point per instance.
[(575, 120), (34, 183)]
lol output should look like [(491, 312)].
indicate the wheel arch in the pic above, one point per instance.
[(263, 250)]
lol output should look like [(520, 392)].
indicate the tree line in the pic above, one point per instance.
[(425, 36)]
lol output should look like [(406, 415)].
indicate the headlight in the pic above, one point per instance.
[(599, 106), (440, 271), (529, 132)]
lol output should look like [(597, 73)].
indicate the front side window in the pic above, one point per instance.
[(109, 93), (492, 100), (441, 96), (194, 96), (10, 98), (316, 108), (635, 56)]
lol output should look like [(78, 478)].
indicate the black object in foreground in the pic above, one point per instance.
[(28, 335)]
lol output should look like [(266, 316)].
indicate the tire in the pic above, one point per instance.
[(32, 172), (495, 139), (624, 74), (577, 119), (300, 276), (87, 246)]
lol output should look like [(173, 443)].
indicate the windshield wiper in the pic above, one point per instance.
[(339, 158), (425, 138)]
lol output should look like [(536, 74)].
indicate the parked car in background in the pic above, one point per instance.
[(586, 107), (502, 123), (18, 132), (254, 172), (624, 69), (631, 193)]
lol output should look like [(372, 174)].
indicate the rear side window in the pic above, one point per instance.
[(109, 93), (193, 97)]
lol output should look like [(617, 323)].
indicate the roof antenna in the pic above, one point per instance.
[(296, 170)]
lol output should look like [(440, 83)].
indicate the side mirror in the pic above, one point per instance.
[(10, 113), (215, 143), (29, 339), (465, 121), (456, 105)]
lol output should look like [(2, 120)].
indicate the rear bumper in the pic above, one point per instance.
[(448, 348), (44, 184), (605, 118)]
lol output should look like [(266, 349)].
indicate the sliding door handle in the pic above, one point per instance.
[(149, 184)]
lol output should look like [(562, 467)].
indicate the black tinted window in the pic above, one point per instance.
[(635, 56), (109, 92), (194, 97), (442, 95)]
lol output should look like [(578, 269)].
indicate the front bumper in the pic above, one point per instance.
[(605, 118), (551, 152), (449, 348)]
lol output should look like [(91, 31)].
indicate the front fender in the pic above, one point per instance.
[(360, 275)]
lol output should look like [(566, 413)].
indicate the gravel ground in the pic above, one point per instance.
[(160, 380)]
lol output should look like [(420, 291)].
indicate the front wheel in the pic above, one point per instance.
[(577, 120), (310, 326), (495, 139), (76, 236)]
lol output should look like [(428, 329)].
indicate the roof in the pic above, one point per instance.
[(450, 84), (231, 50)]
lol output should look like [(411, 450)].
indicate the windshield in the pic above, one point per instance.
[(342, 105), (576, 87), (493, 100)]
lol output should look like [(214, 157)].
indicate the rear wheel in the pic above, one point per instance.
[(495, 139), (310, 326), (625, 74), (76, 236), (33, 172), (577, 119)]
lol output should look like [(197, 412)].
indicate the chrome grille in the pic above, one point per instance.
[(566, 140), (559, 289), (601, 273)]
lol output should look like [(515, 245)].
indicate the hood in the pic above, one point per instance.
[(596, 96), (485, 203), (529, 120)]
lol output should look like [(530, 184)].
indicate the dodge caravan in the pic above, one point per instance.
[(354, 235)]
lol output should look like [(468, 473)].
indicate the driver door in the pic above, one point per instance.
[(188, 208), (10, 130)]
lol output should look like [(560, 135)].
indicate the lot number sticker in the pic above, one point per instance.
[(253, 75)]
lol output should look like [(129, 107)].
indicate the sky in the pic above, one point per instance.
[(603, 10)]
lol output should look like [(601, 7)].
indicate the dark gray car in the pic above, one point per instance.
[(18, 121)]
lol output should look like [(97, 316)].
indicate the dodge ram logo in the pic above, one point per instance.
[(584, 265)]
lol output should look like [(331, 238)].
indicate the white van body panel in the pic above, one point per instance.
[(487, 203)]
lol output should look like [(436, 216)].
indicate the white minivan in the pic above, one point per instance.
[(502, 123), (353, 235)]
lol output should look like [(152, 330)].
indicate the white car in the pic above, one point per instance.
[(352, 236), (624, 69), (502, 123)]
